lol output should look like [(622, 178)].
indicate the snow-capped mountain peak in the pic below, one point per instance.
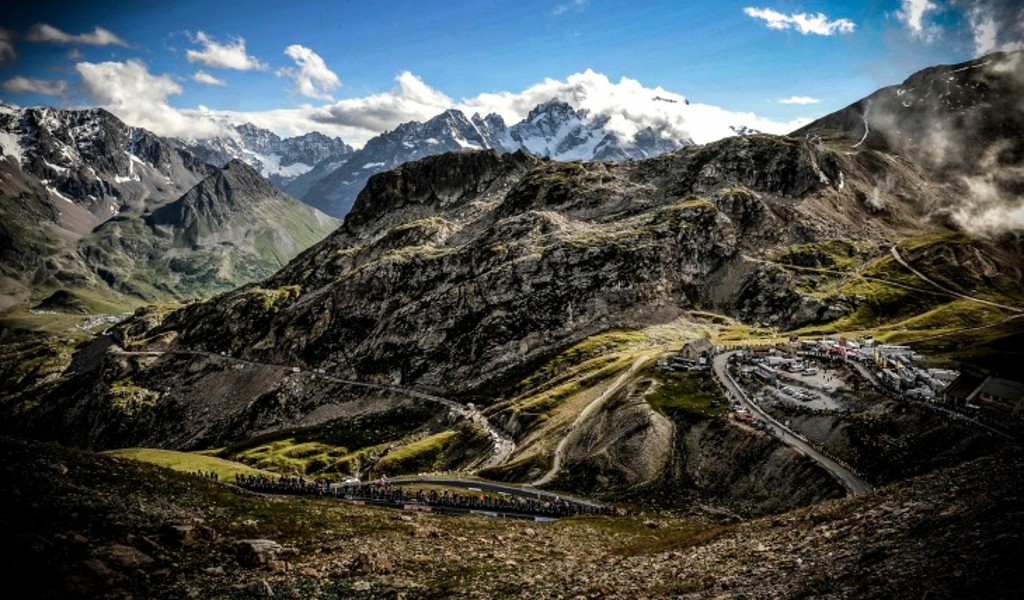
[(552, 129), (92, 159), (287, 162)]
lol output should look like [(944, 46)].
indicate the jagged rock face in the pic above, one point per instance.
[(292, 164), (92, 159), (64, 173), (90, 202), (450, 131), (553, 129), (454, 268)]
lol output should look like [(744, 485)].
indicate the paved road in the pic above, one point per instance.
[(556, 462), (848, 478), (504, 446)]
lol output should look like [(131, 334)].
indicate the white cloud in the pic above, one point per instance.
[(30, 85), (983, 26), (231, 55), (48, 33), (561, 9), (139, 98), (799, 100), (630, 107), (312, 78), (995, 25), (409, 100), (205, 78), (988, 25), (7, 52), (75, 54), (912, 14), (805, 23)]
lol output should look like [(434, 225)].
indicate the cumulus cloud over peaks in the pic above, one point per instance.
[(805, 23), (31, 85), (231, 55), (205, 78), (48, 33), (136, 96), (629, 106), (312, 77), (410, 100)]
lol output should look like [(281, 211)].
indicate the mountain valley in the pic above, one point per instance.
[(705, 338)]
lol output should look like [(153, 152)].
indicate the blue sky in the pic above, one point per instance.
[(354, 68)]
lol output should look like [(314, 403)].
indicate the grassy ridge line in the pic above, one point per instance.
[(187, 462)]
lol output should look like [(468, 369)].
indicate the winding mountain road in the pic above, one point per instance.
[(504, 446), (556, 462), (854, 484), (899, 258)]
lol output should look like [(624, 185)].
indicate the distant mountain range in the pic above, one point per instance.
[(87, 198), (327, 174), (292, 164), (109, 215)]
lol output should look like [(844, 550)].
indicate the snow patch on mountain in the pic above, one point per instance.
[(282, 160)]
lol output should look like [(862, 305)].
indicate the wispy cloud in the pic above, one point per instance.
[(7, 51), (31, 85), (805, 23), (912, 14), (207, 79), (312, 77), (561, 9), (98, 37), (231, 55), (994, 24), (799, 100), (988, 25)]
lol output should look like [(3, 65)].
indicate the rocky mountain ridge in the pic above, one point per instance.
[(293, 164), (91, 159), (454, 273), (553, 129), (85, 201)]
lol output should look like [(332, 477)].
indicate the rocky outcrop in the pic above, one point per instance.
[(682, 459), (624, 445)]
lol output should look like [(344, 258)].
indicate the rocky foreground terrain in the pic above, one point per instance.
[(81, 525)]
